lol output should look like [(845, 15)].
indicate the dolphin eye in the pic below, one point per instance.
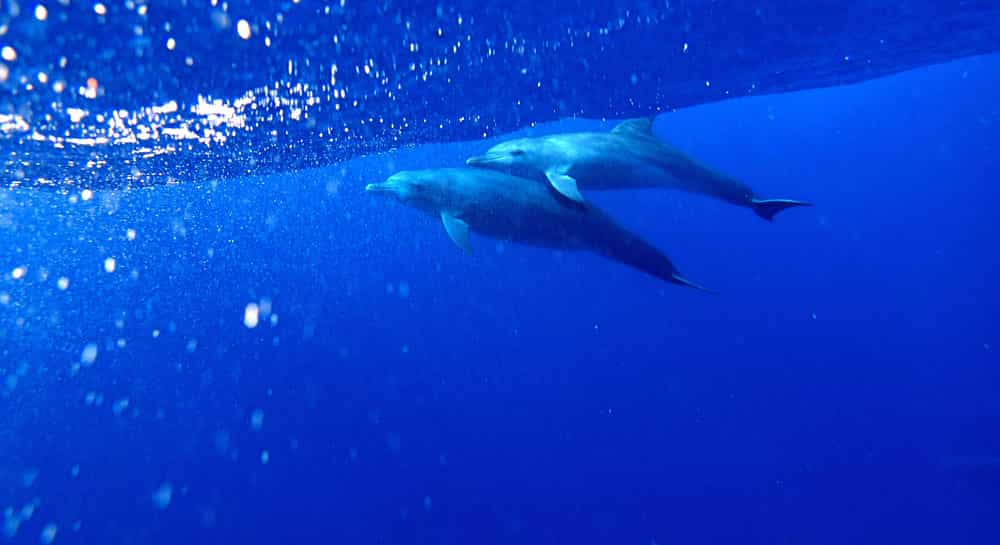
[(517, 152)]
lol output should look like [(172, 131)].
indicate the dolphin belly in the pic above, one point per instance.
[(574, 227), (543, 226), (619, 244), (615, 173), (530, 213), (590, 230)]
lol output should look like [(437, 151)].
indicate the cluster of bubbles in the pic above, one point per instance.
[(129, 93), (135, 94)]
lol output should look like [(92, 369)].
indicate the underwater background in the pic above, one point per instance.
[(209, 333)]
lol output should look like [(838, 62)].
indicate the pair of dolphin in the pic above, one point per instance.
[(509, 197)]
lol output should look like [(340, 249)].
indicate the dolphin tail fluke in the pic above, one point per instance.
[(768, 208), (678, 279)]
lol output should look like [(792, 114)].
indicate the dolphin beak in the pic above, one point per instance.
[(480, 160), (378, 188)]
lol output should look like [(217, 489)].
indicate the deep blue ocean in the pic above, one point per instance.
[(210, 332)]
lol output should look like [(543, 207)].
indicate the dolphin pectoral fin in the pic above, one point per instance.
[(769, 207), (566, 186), (458, 230)]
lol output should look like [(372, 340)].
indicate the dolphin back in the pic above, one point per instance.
[(686, 173)]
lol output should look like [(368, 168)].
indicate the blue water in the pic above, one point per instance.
[(841, 386)]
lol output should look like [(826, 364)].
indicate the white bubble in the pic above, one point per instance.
[(130, 234), (89, 354), (63, 283), (100, 9), (120, 406), (163, 495), (18, 273), (257, 419), (28, 510), (171, 44), (29, 477), (86, 194), (11, 524), (265, 306), (243, 29), (41, 12), (110, 264), (251, 315), (8, 53), (49, 533)]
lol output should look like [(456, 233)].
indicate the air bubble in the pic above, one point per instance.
[(49, 533), (89, 354), (163, 495), (251, 315), (257, 420)]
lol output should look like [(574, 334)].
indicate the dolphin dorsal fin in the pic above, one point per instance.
[(641, 127), (458, 230)]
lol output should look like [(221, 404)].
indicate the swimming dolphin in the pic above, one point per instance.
[(627, 157), (505, 207)]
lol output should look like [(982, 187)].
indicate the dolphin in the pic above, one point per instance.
[(627, 157), (506, 207)]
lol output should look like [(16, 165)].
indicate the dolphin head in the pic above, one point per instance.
[(414, 188), (512, 154)]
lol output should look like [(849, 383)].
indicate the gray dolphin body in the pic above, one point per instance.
[(629, 156), (505, 207)]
